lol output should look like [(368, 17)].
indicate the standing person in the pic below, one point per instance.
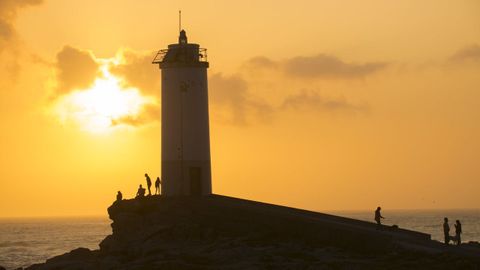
[(446, 230), (378, 216), (149, 184), (157, 186), (458, 231)]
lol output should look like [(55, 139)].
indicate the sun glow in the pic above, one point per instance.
[(99, 108)]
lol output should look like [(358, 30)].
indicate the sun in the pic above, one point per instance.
[(98, 108)]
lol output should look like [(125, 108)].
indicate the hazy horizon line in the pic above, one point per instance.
[(85, 216)]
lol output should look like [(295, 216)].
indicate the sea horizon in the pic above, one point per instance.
[(333, 212)]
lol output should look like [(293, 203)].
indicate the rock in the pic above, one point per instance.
[(2, 268), (79, 254), (221, 232), (474, 244)]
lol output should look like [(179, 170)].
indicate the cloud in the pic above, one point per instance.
[(149, 113), (87, 93), (231, 93), (137, 71), (231, 101), (8, 14), (470, 53), (8, 34), (76, 69), (319, 66), (261, 62), (311, 100), (326, 66)]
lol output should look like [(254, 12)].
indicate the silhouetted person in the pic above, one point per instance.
[(446, 230), (378, 217), (458, 231), (157, 185), (140, 192), (149, 184), (119, 196)]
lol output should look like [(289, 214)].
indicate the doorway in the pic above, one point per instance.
[(195, 181)]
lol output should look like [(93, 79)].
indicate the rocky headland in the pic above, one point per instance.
[(218, 232)]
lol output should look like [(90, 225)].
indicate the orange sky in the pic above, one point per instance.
[(324, 105)]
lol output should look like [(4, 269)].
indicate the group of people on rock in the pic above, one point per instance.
[(446, 228), (446, 232), (141, 190)]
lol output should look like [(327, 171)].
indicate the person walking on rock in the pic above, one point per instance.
[(157, 186), (446, 230), (458, 231), (149, 184), (378, 217)]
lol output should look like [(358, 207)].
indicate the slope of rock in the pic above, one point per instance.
[(218, 232)]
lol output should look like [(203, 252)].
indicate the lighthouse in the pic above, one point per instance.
[(185, 154)]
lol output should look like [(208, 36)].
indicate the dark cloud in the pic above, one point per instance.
[(76, 69), (471, 53), (311, 100), (149, 113), (231, 92), (137, 71), (326, 66)]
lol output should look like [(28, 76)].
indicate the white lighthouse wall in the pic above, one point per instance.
[(192, 122)]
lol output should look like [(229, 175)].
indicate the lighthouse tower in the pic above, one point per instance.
[(186, 169)]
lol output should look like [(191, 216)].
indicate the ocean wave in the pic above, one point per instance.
[(7, 244)]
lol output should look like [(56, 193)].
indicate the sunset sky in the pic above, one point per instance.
[(323, 105)]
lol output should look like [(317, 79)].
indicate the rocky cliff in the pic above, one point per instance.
[(218, 232)]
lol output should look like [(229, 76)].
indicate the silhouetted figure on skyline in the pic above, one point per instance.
[(149, 184), (140, 192), (378, 217), (119, 196), (458, 231), (157, 185), (446, 230)]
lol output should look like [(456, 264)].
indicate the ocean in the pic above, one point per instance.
[(25, 241), (427, 221)]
